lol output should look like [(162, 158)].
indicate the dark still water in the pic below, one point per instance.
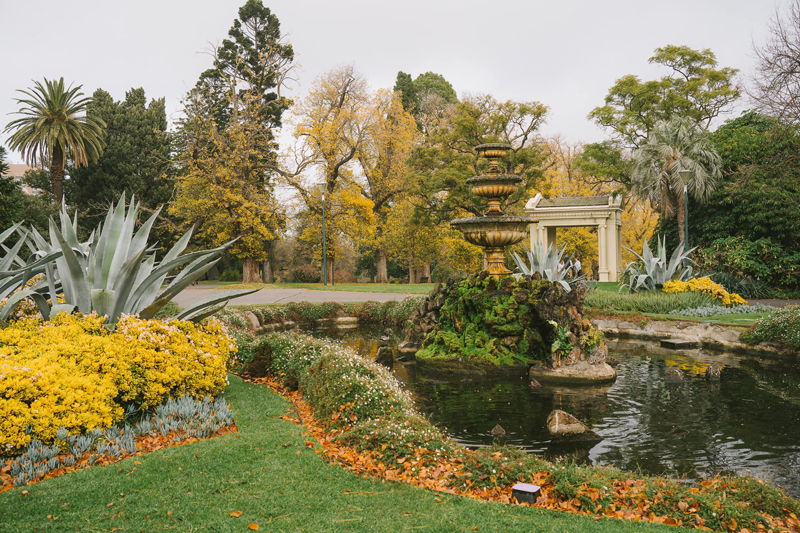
[(749, 422)]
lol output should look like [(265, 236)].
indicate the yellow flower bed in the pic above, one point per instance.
[(73, 372), (705, 286)]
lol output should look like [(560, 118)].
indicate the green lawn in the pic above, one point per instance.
[(417, 288), (608, 286), (267, 473)]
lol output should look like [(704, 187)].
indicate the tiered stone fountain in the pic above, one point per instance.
[(495, 230), (491, 323)]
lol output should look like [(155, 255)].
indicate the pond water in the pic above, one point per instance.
[(748, 422)]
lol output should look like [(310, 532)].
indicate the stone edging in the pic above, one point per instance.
[(708, 335)]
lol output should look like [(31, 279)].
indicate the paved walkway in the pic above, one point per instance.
[(198, 293), (774, 303)]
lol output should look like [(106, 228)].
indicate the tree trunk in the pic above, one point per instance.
[(426, 273), (383, 271), (250, 272), (330, 270), (57, 174), (268, 275), (681, 218), (412, 274)]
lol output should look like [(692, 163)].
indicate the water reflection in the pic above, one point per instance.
[(748, 422)]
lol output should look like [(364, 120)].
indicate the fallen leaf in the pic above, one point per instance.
[(254, 527), (236, 514)]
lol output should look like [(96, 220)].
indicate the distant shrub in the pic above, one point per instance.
[(305, 273), (230, 275), (781, 326), (746, 287)]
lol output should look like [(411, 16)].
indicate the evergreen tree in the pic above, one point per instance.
[(136, 159)]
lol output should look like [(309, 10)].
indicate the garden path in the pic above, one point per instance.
[(774, 303), (198, 293)]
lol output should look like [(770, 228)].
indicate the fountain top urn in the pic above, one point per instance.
[(495, 230)]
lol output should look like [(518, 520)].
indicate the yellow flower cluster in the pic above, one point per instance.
[(73, 372), (705, 286)]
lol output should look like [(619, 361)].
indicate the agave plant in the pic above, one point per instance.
[(116, 272), (546, 265), (15, 273), (654, 270)]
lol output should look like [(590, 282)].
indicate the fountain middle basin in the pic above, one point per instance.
[(494, 234)]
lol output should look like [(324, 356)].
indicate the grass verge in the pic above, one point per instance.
[(267, 473)]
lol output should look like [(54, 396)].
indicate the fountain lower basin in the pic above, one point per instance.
[(494, 234)]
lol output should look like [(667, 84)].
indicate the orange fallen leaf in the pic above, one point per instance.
[(254, 527), (236, 514)]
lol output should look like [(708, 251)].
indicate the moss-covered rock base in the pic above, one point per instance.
[(480, 325)]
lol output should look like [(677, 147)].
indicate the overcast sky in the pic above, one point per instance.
[(563, 53)]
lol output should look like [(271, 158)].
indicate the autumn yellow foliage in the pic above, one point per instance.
[(75, 373), (705, 286)]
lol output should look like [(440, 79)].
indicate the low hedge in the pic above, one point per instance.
[(390, 313), (348, 393), (74, 373)]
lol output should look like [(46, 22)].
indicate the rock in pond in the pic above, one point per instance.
[(673, 375), (498, 431), (384, 356), (565, 427), (712, 372)]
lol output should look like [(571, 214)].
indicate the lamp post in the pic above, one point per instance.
[(685, 174), (322, 187)]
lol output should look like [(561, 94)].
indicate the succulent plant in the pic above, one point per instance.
[(654, 270), (15, 272), (546, 265), (116, 272)]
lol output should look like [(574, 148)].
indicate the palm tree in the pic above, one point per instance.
[(674, 145), (50, 131)]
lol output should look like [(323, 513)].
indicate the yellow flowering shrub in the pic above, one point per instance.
[(73, 372), (705, 286)]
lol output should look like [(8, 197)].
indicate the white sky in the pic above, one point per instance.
[(563, 53)]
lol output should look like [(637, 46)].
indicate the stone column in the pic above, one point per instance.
[(551, 238), (612, 247), (602, 247)]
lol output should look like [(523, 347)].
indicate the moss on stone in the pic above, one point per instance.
[(484, 324)]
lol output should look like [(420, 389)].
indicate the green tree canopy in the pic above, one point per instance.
[(695, 87), (755, 210), (136, 159), (52, 130), (447, 157), (254, 61)]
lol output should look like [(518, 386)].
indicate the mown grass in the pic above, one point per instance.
[(394, 288), (266, 472)]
